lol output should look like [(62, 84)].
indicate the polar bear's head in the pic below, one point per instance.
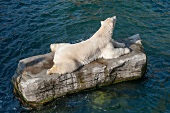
[(109, 22)]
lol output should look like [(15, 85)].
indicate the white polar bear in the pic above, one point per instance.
[(69, 57)]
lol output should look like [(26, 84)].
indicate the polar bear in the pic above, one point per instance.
[(69, 57)]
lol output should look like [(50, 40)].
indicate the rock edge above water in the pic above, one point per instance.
[(34, 88)]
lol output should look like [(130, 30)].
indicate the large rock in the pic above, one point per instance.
[(34, 87)]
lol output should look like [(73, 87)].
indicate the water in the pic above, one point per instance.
[(28, 27)]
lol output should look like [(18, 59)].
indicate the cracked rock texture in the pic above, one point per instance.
[(33, 87)]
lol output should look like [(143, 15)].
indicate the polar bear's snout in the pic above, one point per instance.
[(114, 17)]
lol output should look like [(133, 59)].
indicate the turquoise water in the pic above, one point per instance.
[(28, 27)]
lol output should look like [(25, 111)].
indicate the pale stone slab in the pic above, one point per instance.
[(34, 87)]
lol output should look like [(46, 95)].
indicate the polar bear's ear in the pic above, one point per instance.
[(101, 22)]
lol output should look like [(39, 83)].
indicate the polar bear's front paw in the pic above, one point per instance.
[(127, 50)]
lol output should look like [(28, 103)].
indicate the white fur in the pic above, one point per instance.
[(69, 57)]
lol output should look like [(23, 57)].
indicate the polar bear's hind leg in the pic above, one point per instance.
[(52, 70), (63, 67)]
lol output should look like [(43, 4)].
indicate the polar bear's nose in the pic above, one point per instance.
[(114, 17)]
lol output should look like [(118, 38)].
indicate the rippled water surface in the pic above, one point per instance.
[(28, 27)]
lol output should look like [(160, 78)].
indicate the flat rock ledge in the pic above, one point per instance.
[(34, 88)]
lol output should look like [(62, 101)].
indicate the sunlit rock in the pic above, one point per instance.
[(33, 87)]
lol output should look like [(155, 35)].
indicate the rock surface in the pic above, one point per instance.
[(33, 87)]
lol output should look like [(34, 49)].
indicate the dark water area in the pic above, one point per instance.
[(28, 27)]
